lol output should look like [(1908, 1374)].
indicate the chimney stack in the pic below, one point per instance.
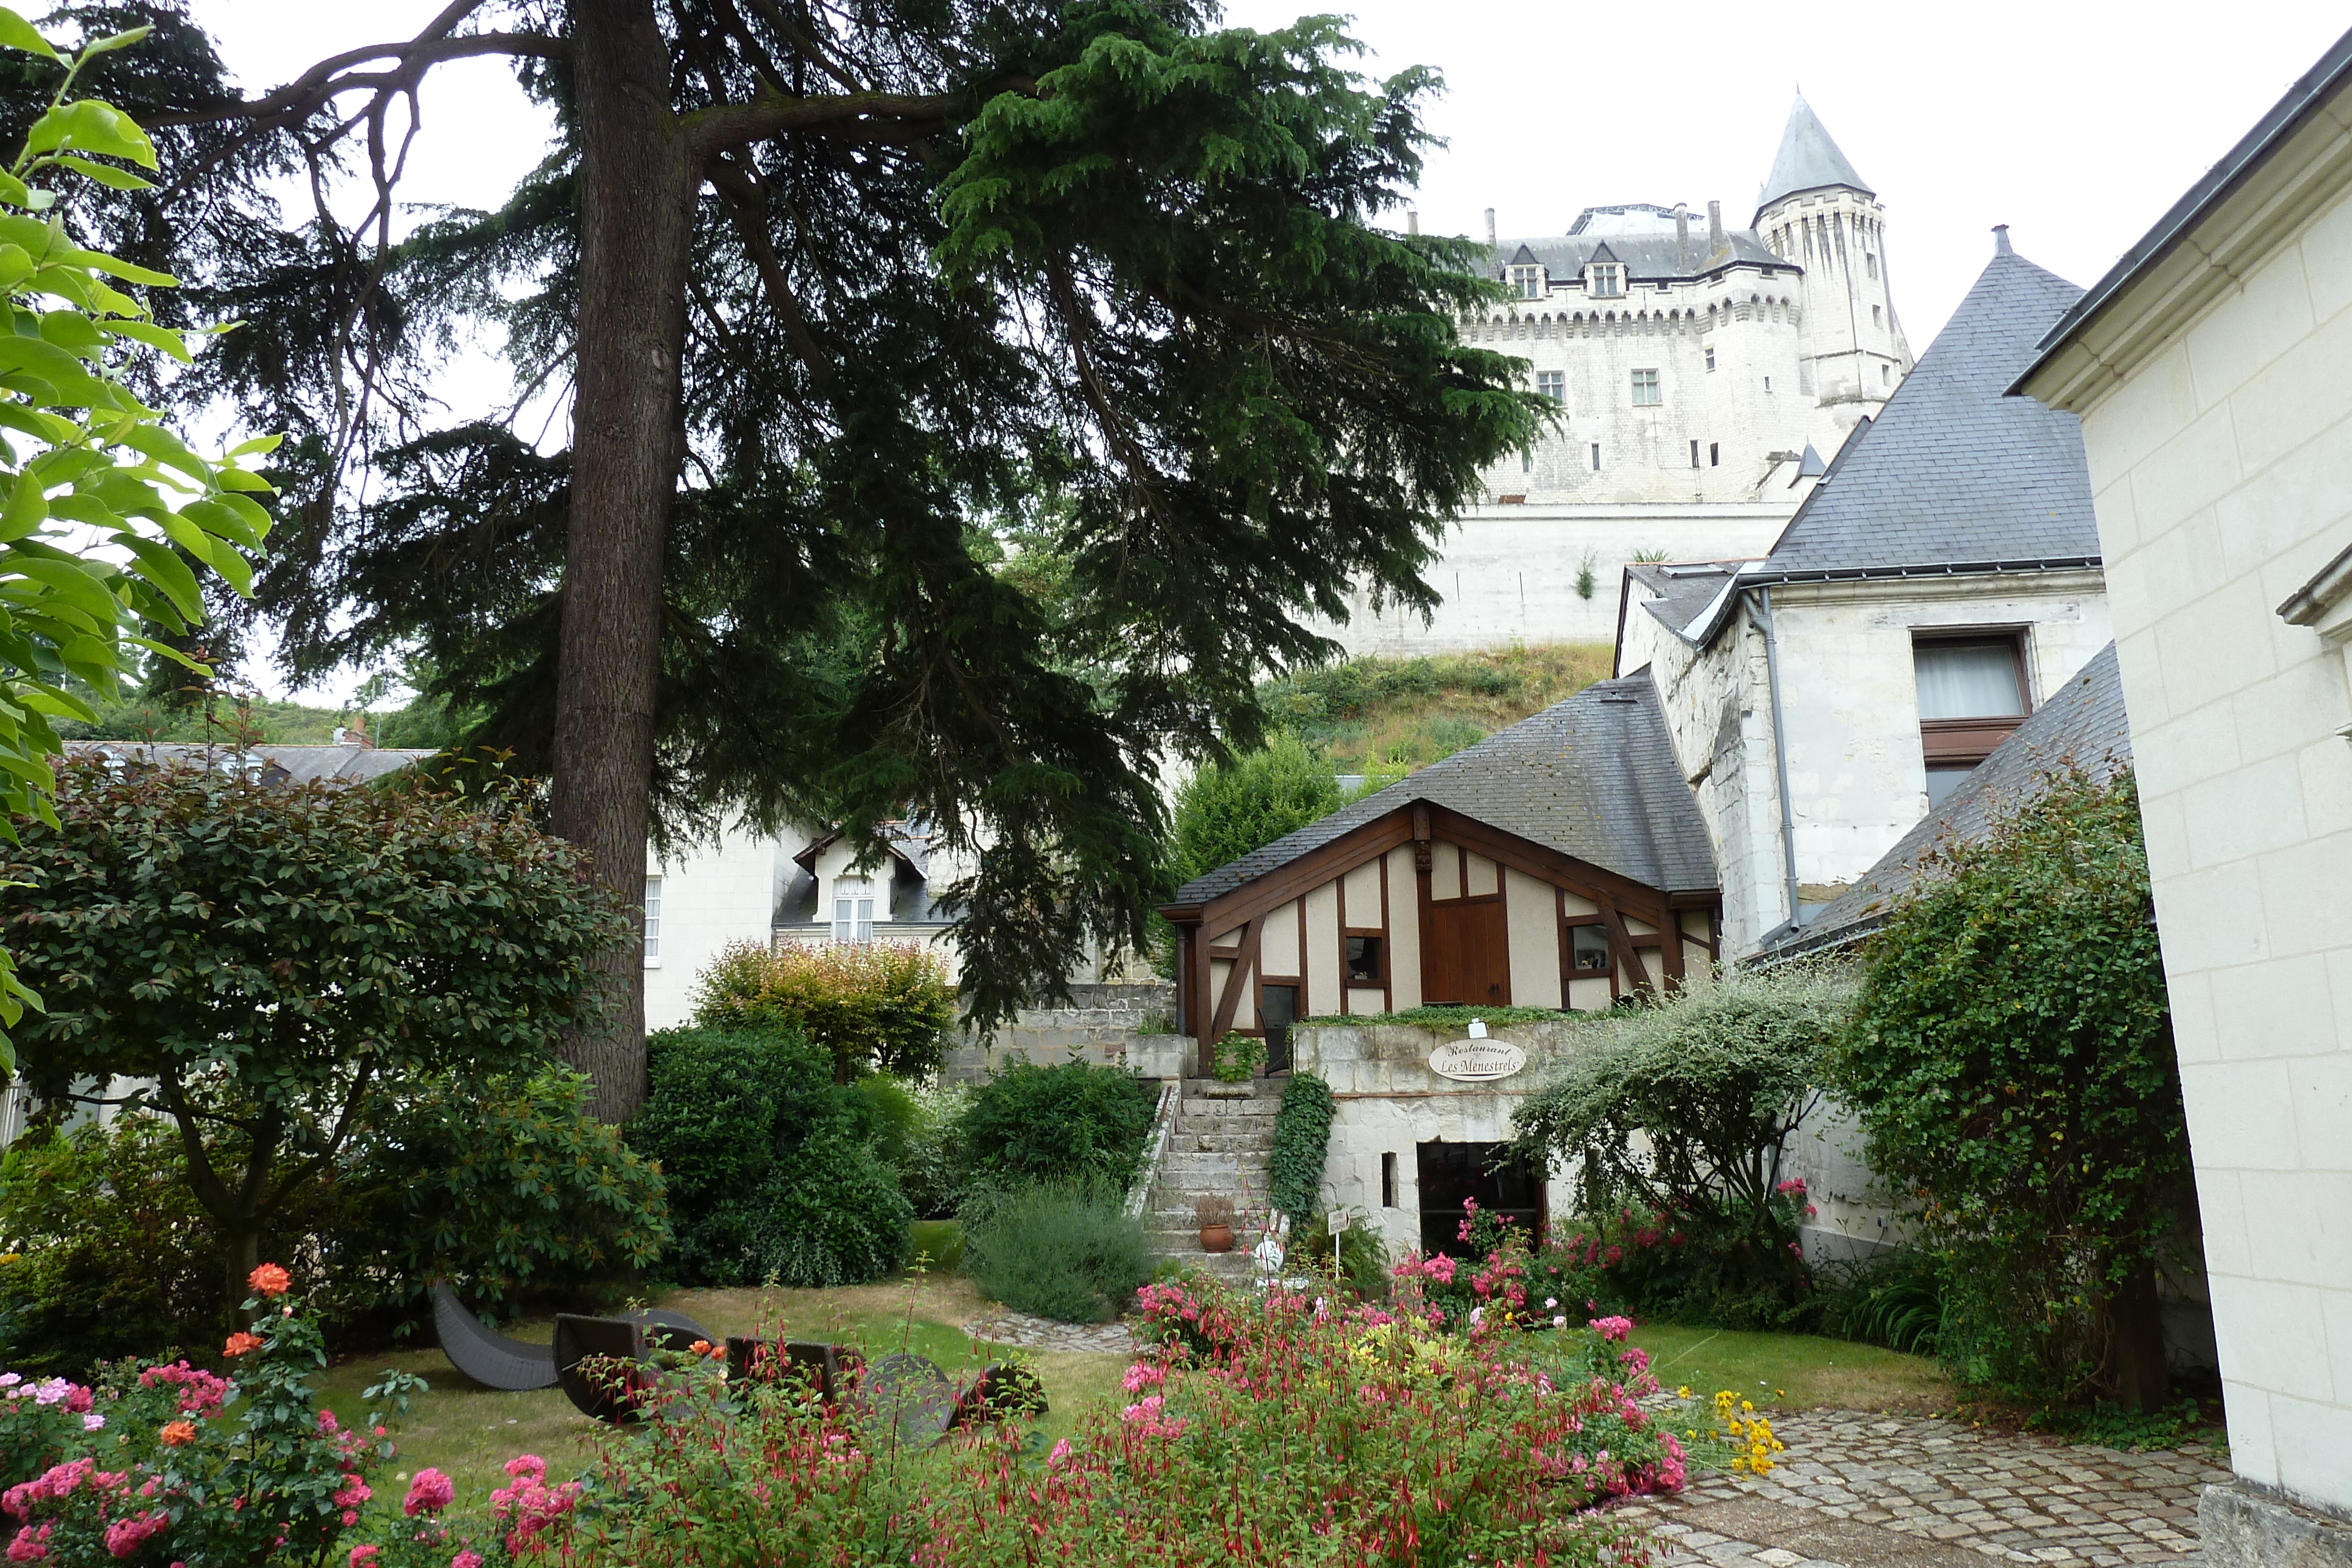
[(1411, 222), (1682, 238), (1492, 243), (2000, 240), (1714, 228)]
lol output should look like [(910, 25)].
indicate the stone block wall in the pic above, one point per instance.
[(1104, 1024)]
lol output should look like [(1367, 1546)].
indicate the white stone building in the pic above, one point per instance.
[(1702, 378), (1941, 580), (2210, 369)]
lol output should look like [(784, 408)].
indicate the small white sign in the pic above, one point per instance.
[(1477, 1060)]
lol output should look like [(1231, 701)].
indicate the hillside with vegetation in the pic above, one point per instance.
[(1385, 717)]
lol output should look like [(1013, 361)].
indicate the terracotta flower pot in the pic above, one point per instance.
[(1216, 1238)]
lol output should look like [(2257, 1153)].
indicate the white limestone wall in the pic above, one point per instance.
[(1386, 1101), (2221, 470), (1857, 778), (1507, 574), (713, 893), (1854, 350)]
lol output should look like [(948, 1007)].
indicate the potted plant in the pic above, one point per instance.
[(1239, 1056), (1215, 1216)]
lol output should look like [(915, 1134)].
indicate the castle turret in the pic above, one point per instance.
[(1815, 210)]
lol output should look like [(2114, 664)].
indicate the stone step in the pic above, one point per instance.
[(1205, 1143), (1195, 1162)]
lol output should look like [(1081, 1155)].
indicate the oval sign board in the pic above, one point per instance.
[(1475, 1060)]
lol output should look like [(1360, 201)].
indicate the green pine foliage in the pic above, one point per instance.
[(2011, 1062), (1074, 1123), (1302, 1142), (772, 1166)]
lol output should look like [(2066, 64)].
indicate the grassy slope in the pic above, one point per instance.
[(1392, 716)]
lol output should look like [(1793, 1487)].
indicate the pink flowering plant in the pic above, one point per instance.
[(168, 1463), (1258, 1430)]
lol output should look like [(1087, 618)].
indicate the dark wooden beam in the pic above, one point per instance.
[(1620, 950), (1235, 977)]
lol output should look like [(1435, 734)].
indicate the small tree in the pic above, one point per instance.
[(2011, 1061), (877, 1006), (1226, 811), (1687, 1105), (256, 962)]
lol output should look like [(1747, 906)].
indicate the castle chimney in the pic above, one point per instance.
[(1713, 227), (1682, 238), (1411, 222), (2000, 240), (1492, 243)]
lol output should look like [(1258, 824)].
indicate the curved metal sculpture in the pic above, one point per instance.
[(612, 1388), (486, 1355)]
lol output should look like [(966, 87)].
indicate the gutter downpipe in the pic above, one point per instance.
[(1780, 755)]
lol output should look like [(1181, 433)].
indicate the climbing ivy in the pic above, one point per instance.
[(1302, 1138)]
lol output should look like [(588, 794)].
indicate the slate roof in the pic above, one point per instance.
[(1593, 777), (302, 764), (2082, 723), (1808, 159), (1647, 258), (1678, 596), (1952, 471)]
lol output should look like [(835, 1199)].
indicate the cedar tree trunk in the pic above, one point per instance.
[(635, 212), (2135, 1366)]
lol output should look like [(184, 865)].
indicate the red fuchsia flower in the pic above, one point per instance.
[(239, 1343), (177, 1433), (430, 1493), (269, 1280), (124, 1537)]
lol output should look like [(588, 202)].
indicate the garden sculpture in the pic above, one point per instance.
[(486, 1355)]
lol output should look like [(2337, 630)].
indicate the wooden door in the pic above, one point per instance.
[(1468, 963)]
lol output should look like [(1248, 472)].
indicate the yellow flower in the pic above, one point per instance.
[(1682, 1392), (1746, 1408)]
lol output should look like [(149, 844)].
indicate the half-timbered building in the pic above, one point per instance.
[(1562, 862)]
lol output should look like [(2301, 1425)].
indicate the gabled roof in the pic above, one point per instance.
[(1600, 253), (2082, 723), (296, 764), (1953, 473), (1808, 159), (1523, 257), (1593, 777)]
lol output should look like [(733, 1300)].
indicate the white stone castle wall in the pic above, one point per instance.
[(2222, 469)]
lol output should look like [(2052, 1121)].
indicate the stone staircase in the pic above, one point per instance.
[(1223, 1135)]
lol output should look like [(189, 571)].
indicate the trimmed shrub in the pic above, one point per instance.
[(771, 1167), (1072, 1122), (876, 1007), (1066, 1251), (1225, 811)]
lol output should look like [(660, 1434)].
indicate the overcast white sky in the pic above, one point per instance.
[(2076, 123)]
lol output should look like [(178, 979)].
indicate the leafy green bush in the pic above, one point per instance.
[(770, 1165), (498, 1187), (1683, 1109), (1225, 811), (879, 1006), (929, 1154), (1302, 1143), (2011, 1061), (1896, 1300), (1062, 1250), (1071, 1123)]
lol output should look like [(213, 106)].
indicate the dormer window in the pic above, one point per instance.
[(1527, 282), (1606, 279)]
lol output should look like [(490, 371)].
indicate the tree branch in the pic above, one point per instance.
[(747, 205), (716, 129), (331, 78)]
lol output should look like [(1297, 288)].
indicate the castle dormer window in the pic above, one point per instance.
[(1527, 282), (1606, 279)]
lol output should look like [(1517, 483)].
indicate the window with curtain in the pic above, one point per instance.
[(853, 911), (1972, 694)]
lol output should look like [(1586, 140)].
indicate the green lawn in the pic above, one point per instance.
[(1796, 1372), (470, 1432)]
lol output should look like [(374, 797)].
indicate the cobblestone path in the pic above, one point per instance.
[(1005, 1326), (1865, 1491)]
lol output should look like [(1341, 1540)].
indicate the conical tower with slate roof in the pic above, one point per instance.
[(1815, 210)]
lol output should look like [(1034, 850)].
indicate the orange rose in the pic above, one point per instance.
[(239, 1343), (175, 1433), (269, 1280)]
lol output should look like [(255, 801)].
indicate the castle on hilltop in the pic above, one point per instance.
[(1703, 378)]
